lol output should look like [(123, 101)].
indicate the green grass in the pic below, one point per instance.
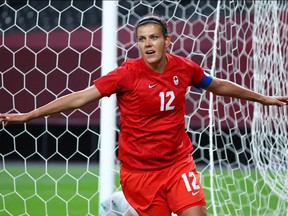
[(61, 190), (242, 192), (49, 192)]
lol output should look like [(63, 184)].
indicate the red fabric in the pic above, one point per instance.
[(163, 191), (152, 134)]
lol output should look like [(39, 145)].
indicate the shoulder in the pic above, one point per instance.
[(192, 72), (180, 60), (131, 65), (132, 70)]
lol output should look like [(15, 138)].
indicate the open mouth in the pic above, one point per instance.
[(149, 52)]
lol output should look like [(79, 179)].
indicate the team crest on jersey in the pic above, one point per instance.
[(176, 80)]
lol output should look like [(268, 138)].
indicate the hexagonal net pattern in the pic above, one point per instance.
[(48, 49)]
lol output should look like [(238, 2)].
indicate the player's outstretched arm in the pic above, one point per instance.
[(67, 102), (227, 88)]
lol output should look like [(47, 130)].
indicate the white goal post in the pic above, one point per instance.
[(66, 164), (108, 105)]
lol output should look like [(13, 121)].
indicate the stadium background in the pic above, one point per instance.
[(44, 61), (68, 76)]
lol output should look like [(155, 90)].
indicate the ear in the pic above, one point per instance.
[(167, 41)]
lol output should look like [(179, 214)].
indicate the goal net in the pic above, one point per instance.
[(50, 166)]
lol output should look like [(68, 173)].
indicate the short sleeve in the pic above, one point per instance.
[(196, 72), (198, 79), (116, 81)]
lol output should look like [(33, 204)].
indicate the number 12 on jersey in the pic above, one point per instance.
[(166, 106), (190, 185)]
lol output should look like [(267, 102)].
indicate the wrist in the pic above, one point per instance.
[(29, 116)]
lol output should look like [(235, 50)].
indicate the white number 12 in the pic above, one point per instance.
[(168, 106), (194, 184)]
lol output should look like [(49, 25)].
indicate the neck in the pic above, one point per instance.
[(159, 66)]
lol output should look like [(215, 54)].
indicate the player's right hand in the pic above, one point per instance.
[(14, 117)]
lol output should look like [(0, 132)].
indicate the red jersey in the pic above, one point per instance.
[(152, 108)]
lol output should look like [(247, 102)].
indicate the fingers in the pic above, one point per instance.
[(13, 117), (283, 100), (278, 101), (5, 118)]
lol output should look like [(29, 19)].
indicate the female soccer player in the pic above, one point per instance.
[(158, 175)]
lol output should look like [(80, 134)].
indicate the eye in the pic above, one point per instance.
[(154, 37), (141, 39)]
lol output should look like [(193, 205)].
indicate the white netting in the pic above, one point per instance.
[(49, 166), (270, 147)]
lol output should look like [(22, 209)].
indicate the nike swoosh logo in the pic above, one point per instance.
[(194, 193), (151, 86)]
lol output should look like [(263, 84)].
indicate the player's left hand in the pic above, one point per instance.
[(277, 100)]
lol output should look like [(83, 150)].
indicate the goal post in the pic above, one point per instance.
[(108, 105), (66, 164)]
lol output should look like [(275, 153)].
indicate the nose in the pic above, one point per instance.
[(148, 42)]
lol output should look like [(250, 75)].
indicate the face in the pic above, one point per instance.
[(152, 45)]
